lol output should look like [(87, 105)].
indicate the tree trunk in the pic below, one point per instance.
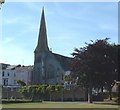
[(86, 93), (90, 95), (118, 94), (102, 89), (110, 93)]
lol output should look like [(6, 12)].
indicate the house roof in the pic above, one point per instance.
[(24, 68), (12, 67), (4, 65), (118, 83)]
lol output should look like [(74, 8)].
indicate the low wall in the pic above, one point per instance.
[(65, 95)]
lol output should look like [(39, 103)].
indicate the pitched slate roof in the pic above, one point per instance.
[(11, 67), (64, 61)]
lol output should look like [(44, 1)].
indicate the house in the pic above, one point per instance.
[(116, 87), (12, 73)]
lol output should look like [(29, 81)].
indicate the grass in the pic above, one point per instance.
[(58, 105)]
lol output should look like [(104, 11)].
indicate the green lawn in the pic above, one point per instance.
[(58, 105)]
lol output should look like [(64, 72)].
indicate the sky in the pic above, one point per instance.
[(69, 25)]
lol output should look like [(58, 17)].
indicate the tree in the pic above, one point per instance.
[(111, 67), (59, 88), (93, 64), (54, 88), (118, 75), (67, 78), (22, 83), (34, 92), (50, 89)]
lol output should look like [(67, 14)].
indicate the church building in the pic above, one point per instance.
[(49, 67)]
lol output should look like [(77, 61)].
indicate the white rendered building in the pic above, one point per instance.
[(12, 73)]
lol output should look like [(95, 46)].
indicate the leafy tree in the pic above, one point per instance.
[(50, 89), (59, 88), (111, 68), (24, 91), (93, 64), (67, 78), (34, 92), (22, 83), (54, 88)]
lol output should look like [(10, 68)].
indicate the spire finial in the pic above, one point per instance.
[(42, 40), (43, 8)]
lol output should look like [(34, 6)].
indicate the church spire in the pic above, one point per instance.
[(42, 38)]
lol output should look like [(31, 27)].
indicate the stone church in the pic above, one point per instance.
[(49, 67)]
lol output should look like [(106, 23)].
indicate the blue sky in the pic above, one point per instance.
[(69, 25)]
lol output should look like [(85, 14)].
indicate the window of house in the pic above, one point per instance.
[(5, 81), (8, 74), (14, 81), (3, 74)]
